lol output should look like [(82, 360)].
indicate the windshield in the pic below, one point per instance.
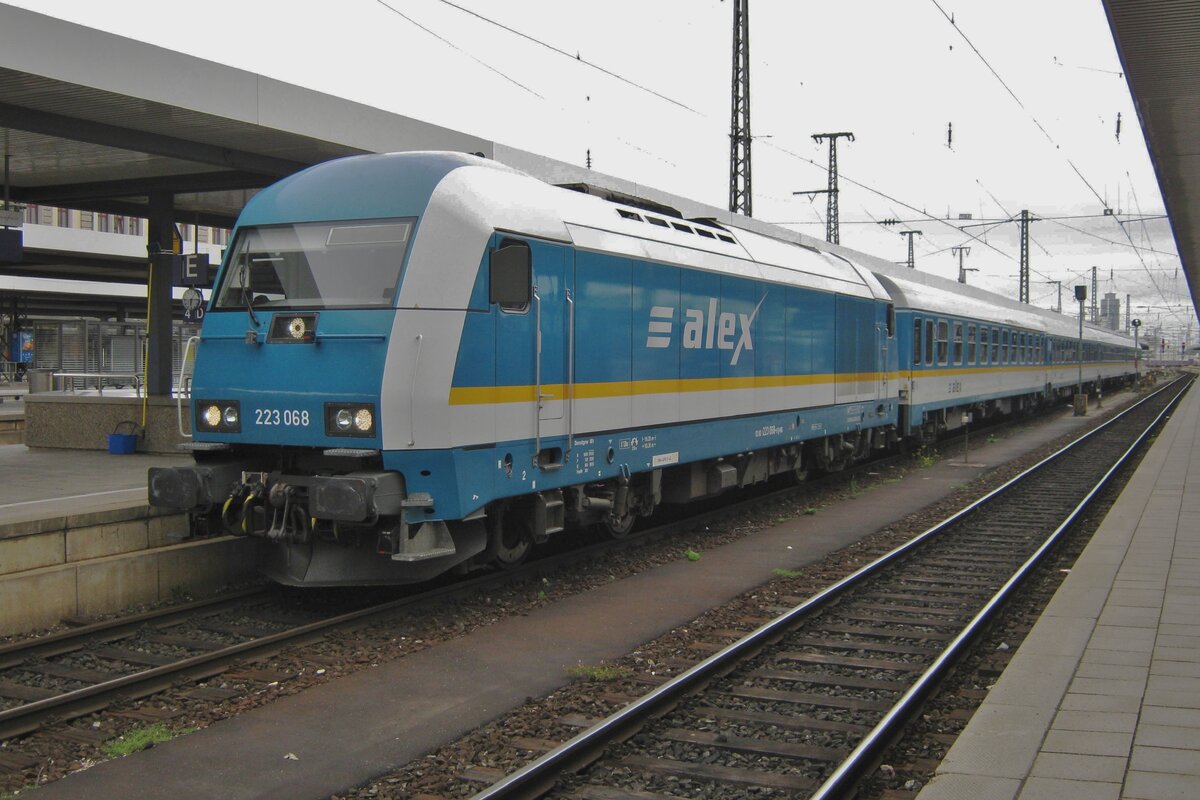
[(316, 265)]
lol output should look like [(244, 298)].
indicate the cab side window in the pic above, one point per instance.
[(510, 276)]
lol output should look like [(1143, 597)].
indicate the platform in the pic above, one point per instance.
[(52, 483), (1102, 699), (78, 538)]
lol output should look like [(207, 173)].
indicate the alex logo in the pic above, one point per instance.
[(704, 331)]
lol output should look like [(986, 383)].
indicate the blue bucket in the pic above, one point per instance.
[(123, 444)]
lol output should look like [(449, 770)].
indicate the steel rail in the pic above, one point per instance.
[(875, 742), (69, 640), (540, 775)]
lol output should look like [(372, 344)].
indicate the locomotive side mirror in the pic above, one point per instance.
[(510, 276)]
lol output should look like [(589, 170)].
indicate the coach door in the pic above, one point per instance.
[(533, 352), (885, 334)]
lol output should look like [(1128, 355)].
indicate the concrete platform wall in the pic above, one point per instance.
[(99, 562), (42, 597), (83, 422), (78, 537)]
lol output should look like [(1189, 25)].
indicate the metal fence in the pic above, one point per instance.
[(94, 348)]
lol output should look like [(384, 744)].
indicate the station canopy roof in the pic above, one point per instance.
[(94, 121), (1159, 45)]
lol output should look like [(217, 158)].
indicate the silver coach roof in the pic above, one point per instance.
[(929, 292)]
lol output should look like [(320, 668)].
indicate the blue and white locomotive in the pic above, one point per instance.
[(419, 362)]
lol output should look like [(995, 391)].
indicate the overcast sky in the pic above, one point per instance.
[(1032, 89)]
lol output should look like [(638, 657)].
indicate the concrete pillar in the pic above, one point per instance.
[(161, 233)]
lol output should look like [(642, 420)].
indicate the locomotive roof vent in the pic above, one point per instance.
[(624, 199)]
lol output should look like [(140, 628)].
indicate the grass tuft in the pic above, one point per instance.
[(927, 456), (140, 739)]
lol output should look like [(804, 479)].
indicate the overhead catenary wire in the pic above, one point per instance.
[(999, 220), (666, 98), (1130, 244), (641, 87), (502, 74), (1016, 99), (576, 57), (924, 215), (458, 49)]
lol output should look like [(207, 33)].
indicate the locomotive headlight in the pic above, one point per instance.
[(212, 416), (297, 328), (349, 419), (223, 416)]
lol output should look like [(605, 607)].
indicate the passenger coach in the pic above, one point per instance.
[(963, 350)]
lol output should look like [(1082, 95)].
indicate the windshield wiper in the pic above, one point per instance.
[(247, 295)]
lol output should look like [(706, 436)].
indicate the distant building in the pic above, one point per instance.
[(1110, 312), (115, 223)]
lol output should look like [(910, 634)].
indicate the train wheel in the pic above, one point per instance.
[(619, 527), (511, 542)]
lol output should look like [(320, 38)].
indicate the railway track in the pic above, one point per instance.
[(806, 704), (56, 678)]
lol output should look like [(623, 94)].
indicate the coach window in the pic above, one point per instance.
[(983, 344), (943, 342), (1004, 346), (995, 346), (970, 344), (916, 341), (928, 342), (1023, 351), (958, 343)]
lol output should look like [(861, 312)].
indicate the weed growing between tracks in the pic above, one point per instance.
[(602, 672), (140, 739)]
